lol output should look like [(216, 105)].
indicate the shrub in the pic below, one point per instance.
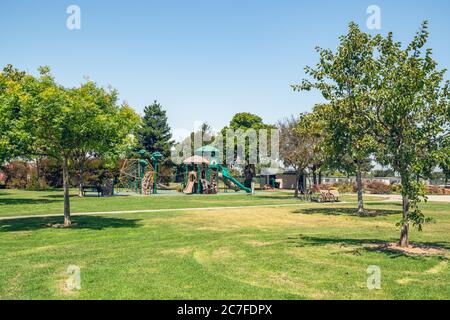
[(345, 187), (377, 187), (51, 173), (17, 175), (396, 188), (434, 190)]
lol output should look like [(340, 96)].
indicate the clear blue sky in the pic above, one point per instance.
[(204, 60)]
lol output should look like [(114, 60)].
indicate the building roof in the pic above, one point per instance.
[(271, 171)]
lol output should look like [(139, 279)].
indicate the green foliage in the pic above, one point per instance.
[(42, 118), (240, 123), (410, 106), (155, 134), (299, 143), (15, 136), (344, 78)]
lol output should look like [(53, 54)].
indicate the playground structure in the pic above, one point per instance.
[(140, 175), (202, 175)]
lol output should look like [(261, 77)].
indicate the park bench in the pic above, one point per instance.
[(95, 189)]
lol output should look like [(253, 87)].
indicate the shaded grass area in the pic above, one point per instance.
[(15, 203), (18, 202), (313, 251)]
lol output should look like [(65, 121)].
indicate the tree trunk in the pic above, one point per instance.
[(249, 173), (297, 184), (320, 177), (359, 186), (38, 172), (314, 168), (67, 221), (80, 182), (404, 233)]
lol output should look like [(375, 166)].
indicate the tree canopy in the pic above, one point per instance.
[(155, 135)]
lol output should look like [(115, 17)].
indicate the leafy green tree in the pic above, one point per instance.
[(345, 78), (410, 118), (155, 135), (61, 122), (315, 124), (241, 122), (297, 146), (110, 125), (15, 136)]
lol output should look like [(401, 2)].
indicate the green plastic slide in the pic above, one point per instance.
[(226, 175)]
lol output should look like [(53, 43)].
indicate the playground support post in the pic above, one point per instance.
[(155, 177)]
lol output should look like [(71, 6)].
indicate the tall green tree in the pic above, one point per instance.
[(345, 78), (410, 117), (240, 123), (155, 135)]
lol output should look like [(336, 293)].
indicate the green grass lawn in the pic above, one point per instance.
[(18, 202), (309, 251)]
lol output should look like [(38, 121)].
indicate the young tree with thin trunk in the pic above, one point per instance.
[(65, 121), (297, 146), (345, 77), (410, 116)]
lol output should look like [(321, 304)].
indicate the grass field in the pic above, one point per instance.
[(304, 251)]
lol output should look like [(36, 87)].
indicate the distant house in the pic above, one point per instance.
[(286, 179), (386, 180)]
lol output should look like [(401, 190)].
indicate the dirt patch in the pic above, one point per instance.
[(60, 225), (421, 250), (405, 281), (438, 268)]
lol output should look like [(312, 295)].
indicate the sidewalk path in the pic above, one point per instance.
[(391, 198), (397, 197)]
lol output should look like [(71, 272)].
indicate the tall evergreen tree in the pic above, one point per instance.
[(155, 132)]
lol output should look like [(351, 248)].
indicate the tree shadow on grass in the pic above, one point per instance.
[(386, 204), (22, 201), (79, 222), (60, 196), (369, 245), (346, 212)]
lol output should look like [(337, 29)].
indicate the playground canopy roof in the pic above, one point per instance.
[(206, 149), (196, 160)]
